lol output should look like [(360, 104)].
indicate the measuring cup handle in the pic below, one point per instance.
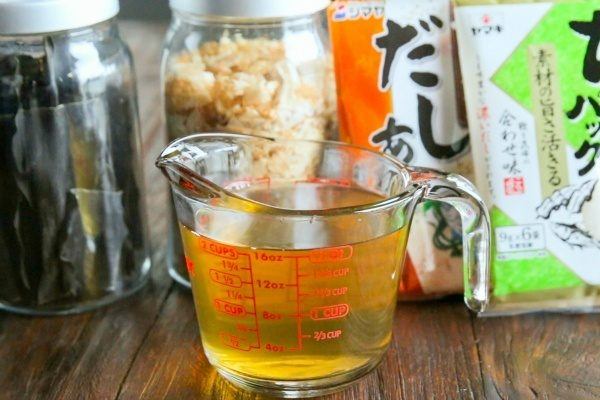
[(458, 192)]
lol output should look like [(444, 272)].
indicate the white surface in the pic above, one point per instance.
[(18, 17), (250, 8)]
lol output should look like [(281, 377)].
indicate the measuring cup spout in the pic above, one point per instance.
[(186, 178), (195, 167)]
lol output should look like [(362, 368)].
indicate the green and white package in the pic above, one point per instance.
[(531, 72)]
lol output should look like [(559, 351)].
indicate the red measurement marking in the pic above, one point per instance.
[(225, 279), (274, 347), (331, 254), (236, 310), (332, 273), (268, 257), (271, 316), (234, 294), (328, 292), (190, 267), (327, 335), (234, 342), (298, 318), (256, 326), (329, 312), (267, 284), (220, 250), (230, 265)]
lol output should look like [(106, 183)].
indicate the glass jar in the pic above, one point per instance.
[(72, 219), (262, 68)]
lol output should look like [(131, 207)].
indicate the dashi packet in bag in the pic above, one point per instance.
[(398, 93), (532, 84)]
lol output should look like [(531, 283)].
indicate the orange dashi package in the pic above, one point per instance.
[(397, 93)]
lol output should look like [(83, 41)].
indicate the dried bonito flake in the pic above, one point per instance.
[(250, 86)]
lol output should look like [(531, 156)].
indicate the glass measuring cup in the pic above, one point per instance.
[(294, 250)]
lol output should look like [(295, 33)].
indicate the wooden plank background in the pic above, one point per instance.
[(147, 346)]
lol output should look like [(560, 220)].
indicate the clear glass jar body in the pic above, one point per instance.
[(72, 218), (261, 77)]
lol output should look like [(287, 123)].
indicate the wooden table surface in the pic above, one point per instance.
[(147, 346)]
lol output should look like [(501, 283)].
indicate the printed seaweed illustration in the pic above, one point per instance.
[(447, 234), (563, 210)]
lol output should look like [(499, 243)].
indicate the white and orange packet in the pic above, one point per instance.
[(395, 74)]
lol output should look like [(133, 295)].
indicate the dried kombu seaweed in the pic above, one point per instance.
[(71, 216)]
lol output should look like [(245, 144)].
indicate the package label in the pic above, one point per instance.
[(397, 93), (407, 80), (532, 82)]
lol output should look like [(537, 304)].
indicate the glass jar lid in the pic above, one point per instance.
[(22, 17), (250, 8)]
